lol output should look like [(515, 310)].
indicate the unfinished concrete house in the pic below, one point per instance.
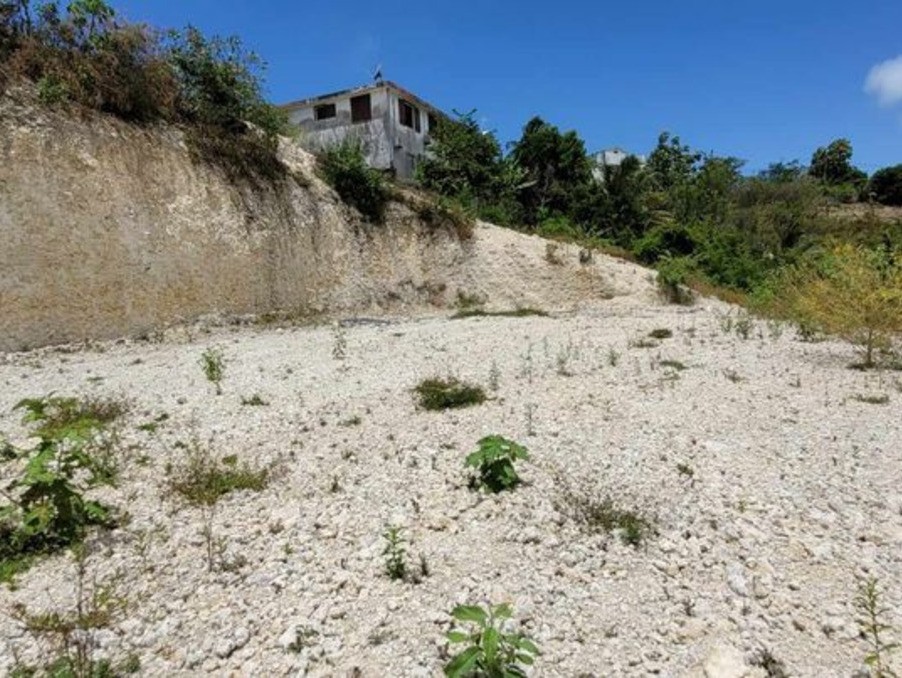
[(391, 124)]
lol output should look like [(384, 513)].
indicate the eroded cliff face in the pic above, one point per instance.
[(108, 230)]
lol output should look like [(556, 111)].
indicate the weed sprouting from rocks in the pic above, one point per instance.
[(530, 419), (773, 667), (875, 629), (72, 633), (394, 552), (339, 342), (494, 376), (494, 463), (881, 399), (202, 480), (450, 393), (602, 515), (490, 651), (212, 362)]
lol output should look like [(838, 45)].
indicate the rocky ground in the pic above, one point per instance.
[(772, 489)]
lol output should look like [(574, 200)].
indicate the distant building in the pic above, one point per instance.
[(611, 157), (391, 124)]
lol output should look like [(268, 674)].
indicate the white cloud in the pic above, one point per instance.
[(885, 81)]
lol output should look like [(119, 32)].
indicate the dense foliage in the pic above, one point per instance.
[(45, 508), (345, 168), (84, 54), (886, 185), (694, 215)]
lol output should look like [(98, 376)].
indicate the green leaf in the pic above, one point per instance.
[(470, 613), (490, 640), (528, 645), (96, 512), (462, 665), (457, 637), (502, 611)]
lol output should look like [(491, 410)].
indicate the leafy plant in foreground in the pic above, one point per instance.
[(491, 652), (494, 463), (47, 509)]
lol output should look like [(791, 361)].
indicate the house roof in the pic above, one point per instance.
[(363, 89)]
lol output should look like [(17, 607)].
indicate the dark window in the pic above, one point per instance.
[(361, 108), (324, 111), (409, 115), (433, 123)]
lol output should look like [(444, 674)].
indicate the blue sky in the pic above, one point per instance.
[(763, 81)]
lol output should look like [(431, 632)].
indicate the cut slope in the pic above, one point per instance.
[(108, 229)]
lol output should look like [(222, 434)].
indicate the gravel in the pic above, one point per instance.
[(772, 492)]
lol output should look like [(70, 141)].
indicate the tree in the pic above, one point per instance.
[(618, 207), (833, 164), (886, 185), (782, 172), (555, 166), (671, 163), (466, 163), (220, 83)]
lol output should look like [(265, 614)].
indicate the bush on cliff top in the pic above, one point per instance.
[(85, 54)]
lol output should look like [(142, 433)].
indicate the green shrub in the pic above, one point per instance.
[(494, 463), (559, 227), (57, 417), (668, 239), (604, 516), (203, 480), (524, 312), (47, 510), (51, 91), (220, 92), (451, 393), (580, 503), (673, 275), (344, 168), (490, 651), (853, 292), (86, 55), (886, 185)]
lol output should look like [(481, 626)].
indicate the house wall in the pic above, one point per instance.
[(375, 135), (409, 145), (386, 143)]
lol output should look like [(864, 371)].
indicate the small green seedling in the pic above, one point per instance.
[(874, 629), (212, 361), (395, 555), (490, 651), (494, 463)]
